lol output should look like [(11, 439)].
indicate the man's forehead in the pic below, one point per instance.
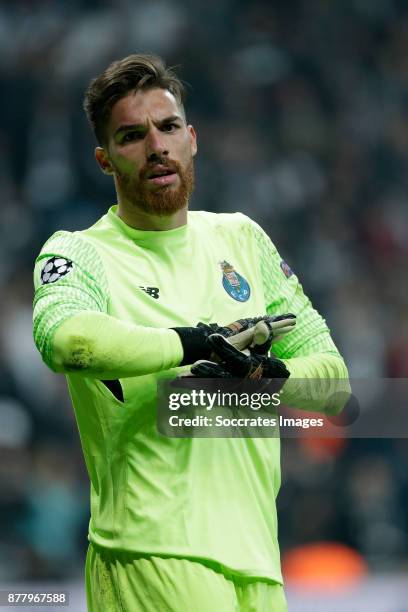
[(137, 107)]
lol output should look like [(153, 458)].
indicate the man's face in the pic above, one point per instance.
[(150, 151)]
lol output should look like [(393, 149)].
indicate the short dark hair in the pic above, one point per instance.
[(137, 71)]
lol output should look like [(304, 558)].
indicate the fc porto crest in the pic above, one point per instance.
[(234, 284)]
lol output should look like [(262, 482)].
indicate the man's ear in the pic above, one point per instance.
[(103, 160), (193, 140)]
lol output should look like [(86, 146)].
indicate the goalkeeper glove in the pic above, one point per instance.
[(233, 363), (195, 344)]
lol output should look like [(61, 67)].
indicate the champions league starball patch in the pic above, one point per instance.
[(234, 284), (54, 269)]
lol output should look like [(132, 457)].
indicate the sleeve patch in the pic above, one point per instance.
[(55, 269), (286, 269)]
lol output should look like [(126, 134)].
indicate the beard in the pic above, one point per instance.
[(161, 202)]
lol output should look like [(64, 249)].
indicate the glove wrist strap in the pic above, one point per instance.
[(194, 343)]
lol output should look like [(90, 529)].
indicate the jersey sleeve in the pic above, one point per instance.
[(318, 375), (68, 279), (283, 294)]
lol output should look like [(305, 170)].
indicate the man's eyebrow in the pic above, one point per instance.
[(123, 128), (140, 126), (170, 119)]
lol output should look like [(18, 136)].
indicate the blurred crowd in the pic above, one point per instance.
[(300, 109)]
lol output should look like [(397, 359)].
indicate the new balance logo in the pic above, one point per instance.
[(152, 291)]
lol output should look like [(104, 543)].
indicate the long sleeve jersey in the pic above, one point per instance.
[(208, 499)]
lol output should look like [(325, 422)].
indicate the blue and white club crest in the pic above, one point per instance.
[(234, 284)]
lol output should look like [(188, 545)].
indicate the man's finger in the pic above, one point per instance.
[(282, 317), (284, 324), (258, 334), (209, 369), (235, 359)]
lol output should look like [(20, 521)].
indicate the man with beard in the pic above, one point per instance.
[(176, 524)]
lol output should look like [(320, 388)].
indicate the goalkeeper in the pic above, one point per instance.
[(176, 524)]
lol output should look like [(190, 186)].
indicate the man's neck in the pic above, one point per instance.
[(138, 219)]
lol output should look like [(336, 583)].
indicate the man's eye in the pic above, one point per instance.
[(130, 136), (169, 127)]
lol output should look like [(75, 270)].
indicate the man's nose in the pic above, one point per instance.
[(155, 144)]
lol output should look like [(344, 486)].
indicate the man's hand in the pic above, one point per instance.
[(233, 363), (266, 331), (239, 333)]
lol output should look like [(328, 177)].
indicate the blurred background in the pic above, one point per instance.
[(301, 112)]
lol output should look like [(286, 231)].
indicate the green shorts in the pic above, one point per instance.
[(124, 582)]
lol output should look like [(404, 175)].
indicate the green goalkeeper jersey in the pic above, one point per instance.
[(209, 499)]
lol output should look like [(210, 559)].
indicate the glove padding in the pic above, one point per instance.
[(241, 333), (233, 363), (266, 331)]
